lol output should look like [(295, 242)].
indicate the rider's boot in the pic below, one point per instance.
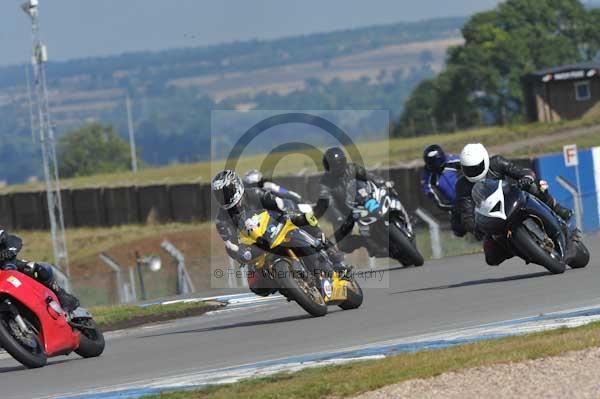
[(564, 213), (337, 259), (68, 302)]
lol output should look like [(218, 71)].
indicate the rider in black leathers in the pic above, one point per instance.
[(10, 246), (499, 168), (338, 180), (234, 200)]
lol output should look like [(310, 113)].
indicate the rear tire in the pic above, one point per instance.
[(355, 298), (292, 290), (529, 248), (406, 251), (91, 341), (582, 257), (30, 358)]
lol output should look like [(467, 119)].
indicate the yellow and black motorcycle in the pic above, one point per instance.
[(283, 257)]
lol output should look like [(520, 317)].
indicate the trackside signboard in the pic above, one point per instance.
[(570, 155), (548, 167)]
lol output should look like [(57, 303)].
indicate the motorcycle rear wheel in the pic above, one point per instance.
[(531, 250), (582, 257), (91, 341), (355, 298), (29, 356), (297, 289)]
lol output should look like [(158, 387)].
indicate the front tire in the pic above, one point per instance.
[(531, 250), (91, 341), (30, 355), (404, 249), (296, 288)]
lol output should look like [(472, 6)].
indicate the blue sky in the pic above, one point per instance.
[(83, 28)]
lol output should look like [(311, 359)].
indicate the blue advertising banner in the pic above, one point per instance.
[(549, 167)]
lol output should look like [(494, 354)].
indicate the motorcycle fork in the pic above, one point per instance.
[(8, 307)]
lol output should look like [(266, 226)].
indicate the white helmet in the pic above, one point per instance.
[(475, 162)]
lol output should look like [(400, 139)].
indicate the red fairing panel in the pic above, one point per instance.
[(57, 336)]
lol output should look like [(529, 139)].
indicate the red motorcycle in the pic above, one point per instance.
[(34, 327)]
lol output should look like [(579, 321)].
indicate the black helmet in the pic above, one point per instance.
[(434, 158), (227, 188), (334, 161), (253, 178)]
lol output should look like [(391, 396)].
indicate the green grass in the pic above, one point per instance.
[(377, 152), (108, 317), (355, 378)]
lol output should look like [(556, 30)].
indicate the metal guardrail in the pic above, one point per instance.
[(576, 200), (434, 232)]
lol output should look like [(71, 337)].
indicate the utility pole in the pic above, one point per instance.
[(43, 123), (134, 165)]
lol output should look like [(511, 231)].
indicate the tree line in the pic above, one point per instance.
[(481, 83)]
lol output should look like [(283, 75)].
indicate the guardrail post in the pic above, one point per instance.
[(576, 200), (184, 282), (231, 280), (110, 262), (434, 232)]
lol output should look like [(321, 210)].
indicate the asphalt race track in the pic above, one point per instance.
[(442, 295)]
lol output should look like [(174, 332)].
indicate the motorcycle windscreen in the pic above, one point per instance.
[(490, 205)]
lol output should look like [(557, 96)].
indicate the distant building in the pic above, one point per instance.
[(565, 92)]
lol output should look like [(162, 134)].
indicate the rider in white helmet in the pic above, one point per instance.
[(477, 165)]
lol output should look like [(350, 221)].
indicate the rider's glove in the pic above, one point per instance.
[(8, 254), (389, 184), (526, 182)]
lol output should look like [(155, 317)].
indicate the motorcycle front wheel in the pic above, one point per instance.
[(299, 288), (404, 249), (24, 346), (529, 248)]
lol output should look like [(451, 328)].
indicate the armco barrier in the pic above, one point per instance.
[(164, 203)]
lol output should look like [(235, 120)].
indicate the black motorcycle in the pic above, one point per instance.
[(527, 226), (383, 223)]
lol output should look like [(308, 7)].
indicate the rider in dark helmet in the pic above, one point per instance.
[(440, 176), (233, 198), (10, 246), (340, 177)]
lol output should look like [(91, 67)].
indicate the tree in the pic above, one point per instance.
[(91, 150), (483, 76)]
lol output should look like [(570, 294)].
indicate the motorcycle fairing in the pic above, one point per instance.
[(57, 336)]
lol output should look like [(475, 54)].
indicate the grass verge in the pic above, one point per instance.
[(355, 378), (111, 318)]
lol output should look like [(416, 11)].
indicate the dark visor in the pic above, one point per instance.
[(474, 171)]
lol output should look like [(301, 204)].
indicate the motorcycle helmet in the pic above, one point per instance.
[(253, 178), (434, 158), (334, 161), (228, 189), (475, 162)]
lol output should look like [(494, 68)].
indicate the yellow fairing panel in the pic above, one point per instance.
[(254, 228), (340, 289), (287, 228)]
